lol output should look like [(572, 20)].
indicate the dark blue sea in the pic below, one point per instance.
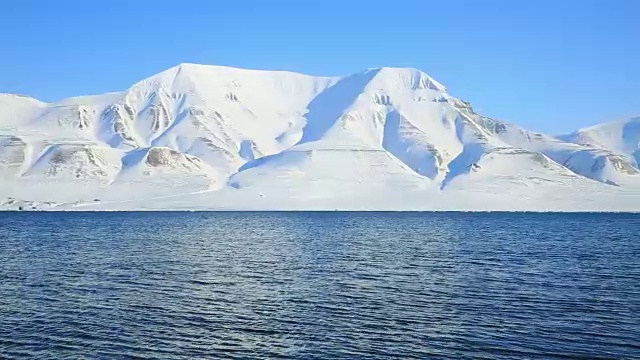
[(319, 286)]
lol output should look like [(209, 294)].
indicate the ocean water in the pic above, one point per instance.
[(319, 285)]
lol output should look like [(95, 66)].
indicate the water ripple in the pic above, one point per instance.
[(319, 285)]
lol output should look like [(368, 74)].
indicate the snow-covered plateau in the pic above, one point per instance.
[(199, 137)]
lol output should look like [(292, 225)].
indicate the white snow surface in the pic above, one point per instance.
[(200, 137)]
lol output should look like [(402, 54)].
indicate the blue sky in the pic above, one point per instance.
[(549, 65)]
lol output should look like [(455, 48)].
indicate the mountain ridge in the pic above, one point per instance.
[(253, 133)]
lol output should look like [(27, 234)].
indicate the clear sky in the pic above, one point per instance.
[(551, 65)]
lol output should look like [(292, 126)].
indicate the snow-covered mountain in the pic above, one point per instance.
[(620, 137), (210, 137)]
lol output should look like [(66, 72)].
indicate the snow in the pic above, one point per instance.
[(621, 137), (212, 137)]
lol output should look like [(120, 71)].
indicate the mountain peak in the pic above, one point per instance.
[(189, 72), (407, 76), (18, 97)]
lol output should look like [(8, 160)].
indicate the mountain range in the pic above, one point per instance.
[(211, 137)]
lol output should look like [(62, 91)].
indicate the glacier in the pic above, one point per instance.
[(203, 137)]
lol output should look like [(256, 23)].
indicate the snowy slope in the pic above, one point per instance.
[(210, 137), (621, 137), (601, 164)]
